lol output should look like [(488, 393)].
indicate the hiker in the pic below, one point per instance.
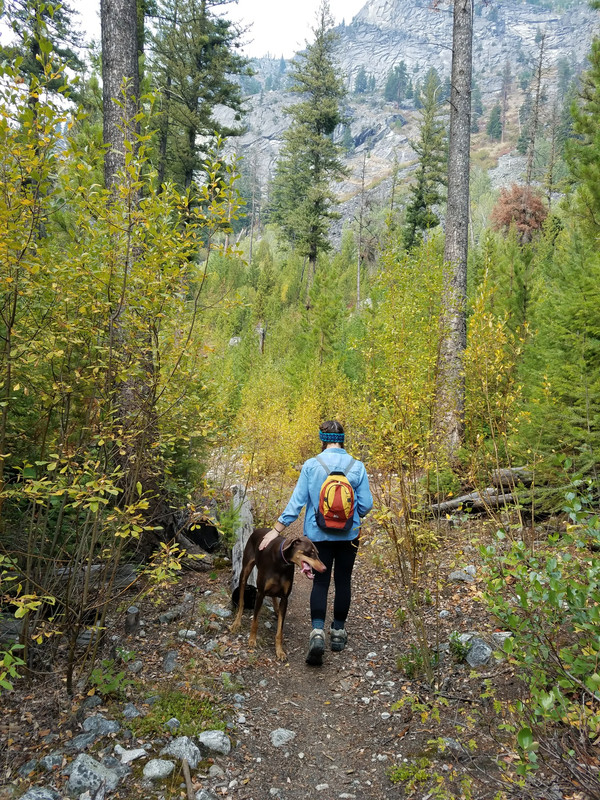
[(335, 490)]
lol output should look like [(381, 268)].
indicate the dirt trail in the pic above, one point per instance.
[(342, 744)]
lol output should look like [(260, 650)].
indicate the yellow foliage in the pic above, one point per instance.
[(492, 396)]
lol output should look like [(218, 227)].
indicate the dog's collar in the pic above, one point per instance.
[(281, 551)]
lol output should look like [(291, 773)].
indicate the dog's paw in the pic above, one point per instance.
[(234, 627), (281, 654), (251, 642)]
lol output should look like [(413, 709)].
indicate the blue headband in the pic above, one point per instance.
[(331, 437)]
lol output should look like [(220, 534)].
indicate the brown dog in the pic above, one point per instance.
[(275, 567)]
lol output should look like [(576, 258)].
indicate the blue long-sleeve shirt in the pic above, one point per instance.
[(308, 488)]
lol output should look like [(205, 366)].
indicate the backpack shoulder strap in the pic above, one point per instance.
[(349, 465), (323, 464)]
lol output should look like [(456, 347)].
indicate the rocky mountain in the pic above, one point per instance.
[(385, 32), (418, 32)]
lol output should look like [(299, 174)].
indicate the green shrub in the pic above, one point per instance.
[(193, 708), (550, 601), (107, 680), (458, 648)]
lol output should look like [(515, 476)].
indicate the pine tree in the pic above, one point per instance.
[(525, 123), (506, 84), (120, 83), (494, 126), (450, 394), (538, 99), (194, 65), (37, 26), (302, 198), (476, 106), (430, 175), (396, 86), (361, 81), (583, 151)]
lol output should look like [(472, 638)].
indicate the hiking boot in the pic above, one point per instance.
[(316, 648), (338, 638)]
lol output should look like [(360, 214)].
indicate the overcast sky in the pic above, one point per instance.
[(278, 27)]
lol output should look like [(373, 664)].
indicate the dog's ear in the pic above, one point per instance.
[(290, 541)]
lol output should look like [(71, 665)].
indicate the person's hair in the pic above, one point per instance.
[(330, 426)]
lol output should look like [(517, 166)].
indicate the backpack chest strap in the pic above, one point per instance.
[(345, 470)]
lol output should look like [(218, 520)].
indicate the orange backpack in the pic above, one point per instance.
[(335, 511)]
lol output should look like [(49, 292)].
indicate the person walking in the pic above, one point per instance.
[(334, 529)]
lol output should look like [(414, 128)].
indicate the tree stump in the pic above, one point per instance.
[(244, 528)]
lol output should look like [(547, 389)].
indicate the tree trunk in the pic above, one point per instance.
[(450, 393), (135, 401), (163, 134), (360, 231), (535, 114), (119, 65)]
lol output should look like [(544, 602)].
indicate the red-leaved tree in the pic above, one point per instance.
[(522, 207)]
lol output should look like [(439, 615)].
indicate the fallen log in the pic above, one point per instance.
[(509, 477), (475, 502), (194, 564)]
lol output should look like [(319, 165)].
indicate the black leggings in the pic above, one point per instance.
[(342, 555)]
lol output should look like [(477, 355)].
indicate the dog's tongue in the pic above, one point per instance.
[(307, 570)]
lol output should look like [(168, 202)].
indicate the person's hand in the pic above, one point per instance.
[(267, 538)]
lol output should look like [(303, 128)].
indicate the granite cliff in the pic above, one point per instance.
[(386, 32)]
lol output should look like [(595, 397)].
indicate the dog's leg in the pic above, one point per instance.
[(243, 578), (260, 596), (276, 606), (279, 651)]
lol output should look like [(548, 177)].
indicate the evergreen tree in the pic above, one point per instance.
[(430, 176), (494, 126), (347, 139), (361, 81), (506, 84), (476, 100), (195, 67), (450, 390), (583, 151), (564, 75), (563, 365), (37, 26), (120, 85), (525, 122), (396, 86), (537, 100), (302, 198)]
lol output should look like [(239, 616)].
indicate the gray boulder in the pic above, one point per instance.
[(460, 576), (130, 711), (41, 793), (170, 661), (181, 748), (80, 742), (499, 637), (87, 774), (479, 653), (281, 736), (127, 756), (51, 760), (170, 616), (216, 741), (100, 726), (157, 768), (28, 767)]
